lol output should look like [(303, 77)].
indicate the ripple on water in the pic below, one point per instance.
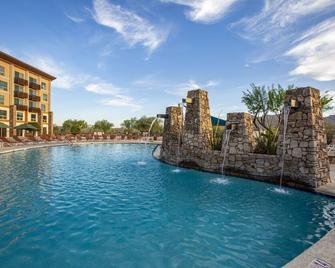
[(280, 190), (222, 181), (90, 206)]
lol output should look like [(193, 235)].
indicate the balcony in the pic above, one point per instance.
[(35, 86), (20, 94), (20, 81), (34, 110), (20, 107), (34, 97)]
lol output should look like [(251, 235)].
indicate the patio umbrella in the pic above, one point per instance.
[(2, 125), (26, 127)]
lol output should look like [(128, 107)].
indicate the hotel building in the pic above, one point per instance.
[(25, 97)]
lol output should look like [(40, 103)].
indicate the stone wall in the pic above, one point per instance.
[(197, 136), (171, 135), (306, 162), (306, 159)]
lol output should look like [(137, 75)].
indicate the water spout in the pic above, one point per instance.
[(180, 130), (147, 137), (286, 112), (224, 148)]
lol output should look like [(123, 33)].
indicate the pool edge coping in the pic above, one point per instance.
[(47, 145)]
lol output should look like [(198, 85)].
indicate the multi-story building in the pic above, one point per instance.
[(25, 97)]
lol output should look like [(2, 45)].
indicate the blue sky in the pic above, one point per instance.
[(118, 59)]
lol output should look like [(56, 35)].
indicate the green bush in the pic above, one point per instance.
[(266, 142), (217, 137)]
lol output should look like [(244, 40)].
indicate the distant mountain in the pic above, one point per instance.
[(330, 119)]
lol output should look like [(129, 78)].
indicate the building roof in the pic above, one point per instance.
[(24, 65)]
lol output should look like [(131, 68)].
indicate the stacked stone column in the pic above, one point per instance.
[(306, 161), (198, 131), (12, 120), (172, 134), (51, 123)]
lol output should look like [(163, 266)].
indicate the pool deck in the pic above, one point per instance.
[(24, 147), (322, 252)]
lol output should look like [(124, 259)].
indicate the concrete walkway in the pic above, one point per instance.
[(321, 254), (328, 189)]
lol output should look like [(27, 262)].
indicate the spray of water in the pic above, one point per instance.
[(224, 148), (286, 112), (146, 139)]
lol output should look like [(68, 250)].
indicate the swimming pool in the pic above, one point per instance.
[(114, 205)]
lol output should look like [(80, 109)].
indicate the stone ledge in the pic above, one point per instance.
[(324, 250)]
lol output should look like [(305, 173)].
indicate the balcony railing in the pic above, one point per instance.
[(35, 86), (20, 94), (20, 81), (34, 97), (20, 107), (34, 110)]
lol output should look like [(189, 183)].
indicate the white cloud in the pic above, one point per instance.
[(103, 88), (66, 79), (109, 89), (75, 19), (277, 15), (5, 49), (182, 88), (122, 101), (205, 11), (133, 28), (315, 52)]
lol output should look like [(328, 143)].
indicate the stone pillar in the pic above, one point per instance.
[(12, 120), (198, 132), (306, 160), (40, 122), (241, 141), (51, 123), (172, 130), (242, 133)]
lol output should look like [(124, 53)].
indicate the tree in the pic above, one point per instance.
[(57, 130), (129, 124), (74, 126), (261, 103), (103, 126), (326, 102)]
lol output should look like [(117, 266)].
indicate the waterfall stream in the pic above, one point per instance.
[(224, 148)]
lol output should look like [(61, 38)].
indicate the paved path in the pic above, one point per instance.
[(321, 253)]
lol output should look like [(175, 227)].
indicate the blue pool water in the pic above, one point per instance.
[(115, 206)]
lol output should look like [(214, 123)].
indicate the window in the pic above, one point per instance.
[(19, 88), (3, 85), (43, 107), (33, 92), (2, 70), (3, 114), (2, 99), (19, 75), (45, 119), (33, 104), (44, 85), (19, 116), (32, 80), (33, 118), (45, 97), (18, 101)]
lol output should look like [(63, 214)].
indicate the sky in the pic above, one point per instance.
[(118, 59)]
